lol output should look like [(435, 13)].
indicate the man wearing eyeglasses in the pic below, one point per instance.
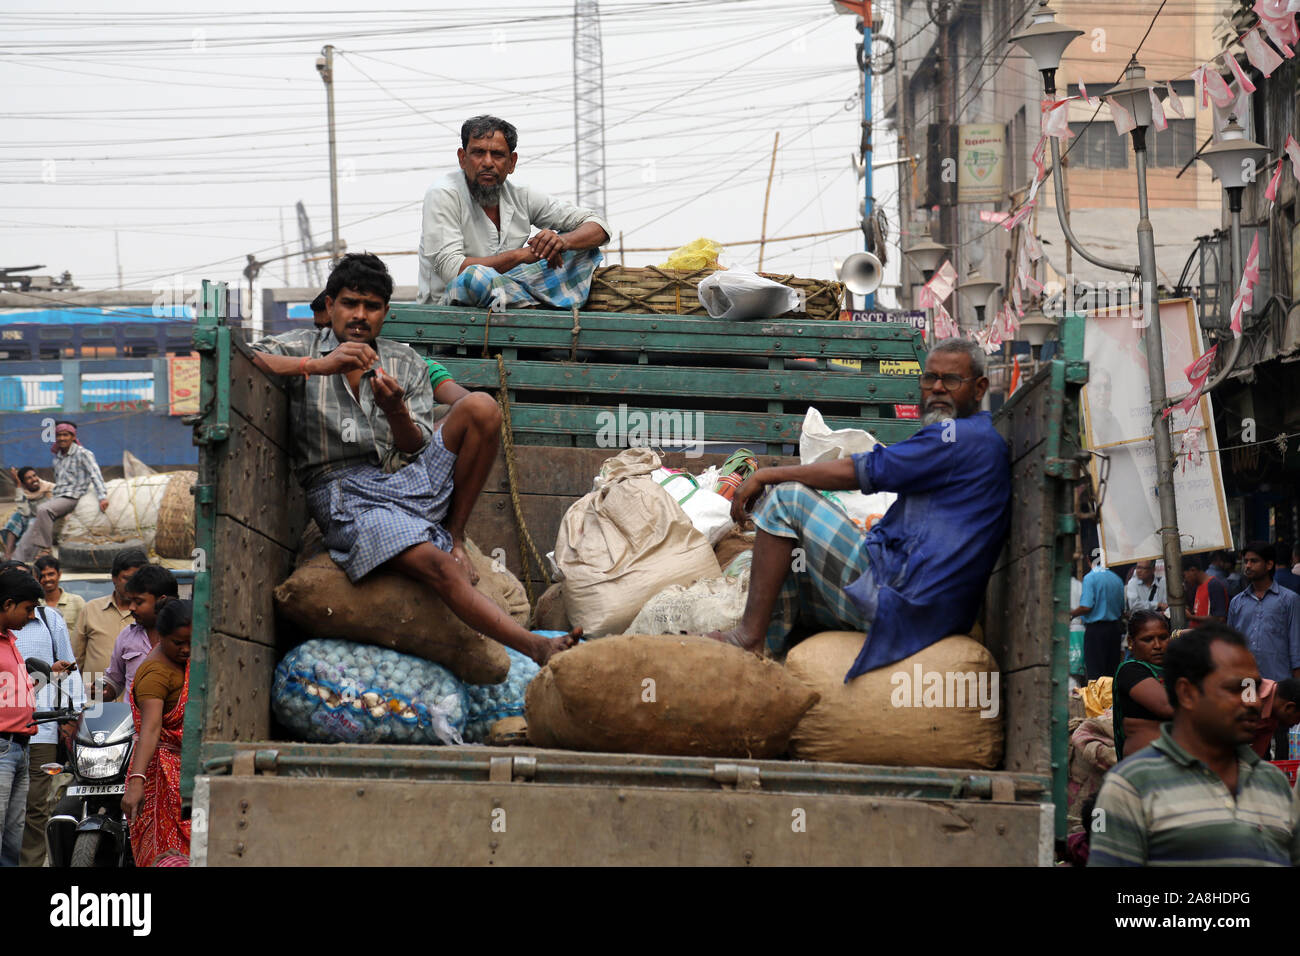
[(919, 574)]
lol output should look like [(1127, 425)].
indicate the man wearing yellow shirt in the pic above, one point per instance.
[(102, 619), (69, 605)]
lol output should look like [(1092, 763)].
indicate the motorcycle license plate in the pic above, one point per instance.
[(97, 790)]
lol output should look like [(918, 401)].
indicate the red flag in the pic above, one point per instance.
[(1015, 376), (1243, 81), (1271, 192)]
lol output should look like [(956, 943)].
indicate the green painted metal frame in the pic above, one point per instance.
[(211, 427)]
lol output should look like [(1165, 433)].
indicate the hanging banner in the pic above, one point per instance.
[(183, 385), (981, 162), (1117, 410)]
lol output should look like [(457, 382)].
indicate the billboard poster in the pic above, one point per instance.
[(981, 161)]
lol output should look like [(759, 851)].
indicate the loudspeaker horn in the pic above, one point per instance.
[(861, 273)]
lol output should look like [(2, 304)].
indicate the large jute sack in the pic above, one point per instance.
[(905, 714), (393, 611), (686, 696), (132, 512), (502, 581), (175, 537), (549, 613), (714, 604), (625, 542)]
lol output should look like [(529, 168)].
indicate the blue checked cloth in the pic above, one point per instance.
[(528, 285), (367, 517), (833, 554)]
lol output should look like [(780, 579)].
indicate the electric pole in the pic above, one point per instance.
[(325, 66), (588, 106)]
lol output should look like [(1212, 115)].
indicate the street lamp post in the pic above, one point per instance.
[(979, 289), (926, 255), (1045, 41)]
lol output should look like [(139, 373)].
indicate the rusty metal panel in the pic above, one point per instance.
[(238, 689), (1028, 696), (256, 487), (257, 398), (248, 567), (270, 821)]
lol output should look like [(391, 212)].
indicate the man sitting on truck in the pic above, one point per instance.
[(919, 574), (474, 237), (387, 485)]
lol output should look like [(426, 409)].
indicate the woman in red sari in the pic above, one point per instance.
[(152, 803)]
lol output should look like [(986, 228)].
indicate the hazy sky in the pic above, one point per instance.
[(187, 132)]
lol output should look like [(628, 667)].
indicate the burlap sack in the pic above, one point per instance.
[(895, 715), (687, 696), (132, 513), (549, 614), (625, 542), (733, 543), (714, 604), (392, 611), (175, 536), (502, 581)]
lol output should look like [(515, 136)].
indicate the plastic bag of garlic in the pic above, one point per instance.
[(488, 703), (332, 691)]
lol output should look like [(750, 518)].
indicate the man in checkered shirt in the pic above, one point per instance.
[(387, 484), (75, 472)]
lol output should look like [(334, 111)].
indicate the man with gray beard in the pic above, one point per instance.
[(919, 574), (474, 238)]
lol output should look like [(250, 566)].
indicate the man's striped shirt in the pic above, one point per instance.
[(1164, 807)]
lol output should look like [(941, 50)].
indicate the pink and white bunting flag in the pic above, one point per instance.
[(1243, 81), (1033, 284), (1189, 449), (1174, 102), (943, 281), (1038, 157), (1250, 271), (1277, 18), (1032, 247), (1015, 298), (1196, 373), (1091, 102), (1157, 112), (1259, 53), (1019, 216), (1213, 87), (1056, 118), (1292, 150), (1270, 193), (1122, 118)]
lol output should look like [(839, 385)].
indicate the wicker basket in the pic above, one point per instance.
[(669, 292), (175, 538)]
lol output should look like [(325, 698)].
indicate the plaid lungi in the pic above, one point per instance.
[(830, 553), (367, 516), (17, 524), (527, 285)]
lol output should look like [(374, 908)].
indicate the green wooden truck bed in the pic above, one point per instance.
[(258, 800)]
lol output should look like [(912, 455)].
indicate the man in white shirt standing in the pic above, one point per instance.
[(1144, 590), (474, 239)]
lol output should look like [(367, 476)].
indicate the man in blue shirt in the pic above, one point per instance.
[(1284, 575), (919, 574), (1102, 607), (1269, 616)]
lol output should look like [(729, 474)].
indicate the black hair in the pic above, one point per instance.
[(24, 470), (1189, 656), (48, 561), (1289, 689), (364, 273), (18, 586), (174, 615), (13, 564), (1262, 548), (130, 558), (1194, 562), (1224, 554), (318, 304), (476, 127), (1139, 620), (153, 579)]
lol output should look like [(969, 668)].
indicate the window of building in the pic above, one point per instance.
[(1096, 146), (1175, 146)]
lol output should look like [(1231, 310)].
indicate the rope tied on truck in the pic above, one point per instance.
[(508, 442)]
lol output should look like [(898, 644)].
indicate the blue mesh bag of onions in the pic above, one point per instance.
[(488, 703), (333, 691)]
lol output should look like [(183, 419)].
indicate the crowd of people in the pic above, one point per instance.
[(1176, 771)]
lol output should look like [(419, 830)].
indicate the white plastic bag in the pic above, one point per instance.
[(818, 442), (736, 294), (709, 512)]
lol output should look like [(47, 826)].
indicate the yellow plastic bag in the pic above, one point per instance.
[(1097, 695), (700, 254)]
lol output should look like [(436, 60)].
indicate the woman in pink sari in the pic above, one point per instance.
[(152, 803)]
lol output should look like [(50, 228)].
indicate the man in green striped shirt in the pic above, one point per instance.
[(1200, 796)]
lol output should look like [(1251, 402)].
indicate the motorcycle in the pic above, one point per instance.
[(87, 827)]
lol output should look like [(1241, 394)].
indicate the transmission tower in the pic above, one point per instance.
[(309, 265), (588, 106)]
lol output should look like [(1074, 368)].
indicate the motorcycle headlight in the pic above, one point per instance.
[(100, 763)]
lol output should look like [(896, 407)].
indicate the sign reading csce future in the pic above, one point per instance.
[(981, 160)]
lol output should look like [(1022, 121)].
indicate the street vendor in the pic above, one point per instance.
[(919, 574), (75, 472), (475, 247), (387, 485)]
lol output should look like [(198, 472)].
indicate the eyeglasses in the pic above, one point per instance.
[(951, 381)]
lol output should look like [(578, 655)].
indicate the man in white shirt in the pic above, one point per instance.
[(1144, 590), (474, 218)]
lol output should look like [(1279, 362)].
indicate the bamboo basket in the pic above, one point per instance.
[(670, 292), (175, 537)]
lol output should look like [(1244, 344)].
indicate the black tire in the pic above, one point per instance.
[(85, 556), (86, 849)]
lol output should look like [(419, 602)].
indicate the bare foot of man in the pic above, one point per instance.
[(739, 638)]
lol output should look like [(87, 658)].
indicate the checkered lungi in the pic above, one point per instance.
[(367, 517), (17, 524), (833, 555), (535, 283)]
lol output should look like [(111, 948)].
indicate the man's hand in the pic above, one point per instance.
[(547, 648), (389, 396), (62, 667), (348, 357), (13, 472), (461, 557), (743, 500), (549, 244), (103, 504)]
